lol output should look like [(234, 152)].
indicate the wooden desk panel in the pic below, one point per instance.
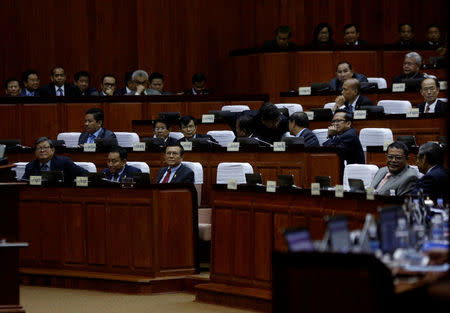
[(313, 66), (110, 230)]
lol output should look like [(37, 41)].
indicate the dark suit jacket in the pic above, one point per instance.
[(121, 91), (69, 90), (197, 135), (90, 92), (269, 134), (349, 142), (127, 172), (203, 92), (439, 108), (57, 163), (23, 93), (399, 78), (183, 175), (273, 45), (405, 45), (336, 84), (170, 141), (362, 101), (434, 183), (105, 133), (310, 138)]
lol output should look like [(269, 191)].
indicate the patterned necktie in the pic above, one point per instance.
[(60, 92), (384, 181), (91, 139), (427, 110), (44, 168), (166, 178)]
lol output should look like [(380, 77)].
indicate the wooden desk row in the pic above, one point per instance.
[(281, 71), (247, 227), (305, 164), (29, 118)]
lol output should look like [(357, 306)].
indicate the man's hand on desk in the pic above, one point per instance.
[(340, 101)]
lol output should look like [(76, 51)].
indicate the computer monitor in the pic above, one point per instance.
[(294, 141), (356, 185), (388, 224), (339, 234), (253, 179), (286, 181), (298, 239), (324, 181)]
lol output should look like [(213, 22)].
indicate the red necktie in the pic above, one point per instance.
[(384, 181), (427, 109), (166, 178)]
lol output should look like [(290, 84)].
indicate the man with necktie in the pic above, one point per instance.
[(30, 81), (118, 168), (397, 175), (351, 99), (93, 122), (58, 86), (429, 91), (175, 172), (46, 160)]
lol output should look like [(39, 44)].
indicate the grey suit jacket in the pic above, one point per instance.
[(403, 183)]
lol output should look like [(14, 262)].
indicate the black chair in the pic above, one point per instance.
[(317, 88), (408, 140), (373, 111)]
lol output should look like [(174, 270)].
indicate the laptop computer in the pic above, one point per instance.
[(356, 185)]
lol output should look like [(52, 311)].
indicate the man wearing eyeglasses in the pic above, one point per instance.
[(162, 130), (397, 177), (188, 126), (46, 160), (175, 172), (108, 85), (341, 134)]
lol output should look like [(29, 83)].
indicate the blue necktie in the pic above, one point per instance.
[(60, 92), (44, 168), (91, 139)]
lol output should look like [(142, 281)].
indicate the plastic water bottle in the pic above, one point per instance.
[(402, 234), (437, 231)]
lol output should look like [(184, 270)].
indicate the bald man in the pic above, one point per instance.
[(351, 99)]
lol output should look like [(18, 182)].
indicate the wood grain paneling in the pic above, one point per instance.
[(74, 235)]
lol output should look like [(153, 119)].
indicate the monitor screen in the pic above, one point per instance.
[(298, 239), (339, 234)]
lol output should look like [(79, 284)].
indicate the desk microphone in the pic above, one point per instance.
[(264, 142)]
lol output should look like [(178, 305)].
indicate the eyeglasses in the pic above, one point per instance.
[(109, 84), (337, 121), (160, 128), (43, 148), (391, 157)]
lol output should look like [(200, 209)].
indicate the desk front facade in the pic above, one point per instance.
[(149, 232), (305, 164)]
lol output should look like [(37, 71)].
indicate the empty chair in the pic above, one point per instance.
[(176, 135), (395, 106), (126, 139), (381, 82), (140, 165), (71, 139), (235, 108), (292, 107), (321, 134), (375, 137), (233, 170), (19, 169), (88, 166), (223, 137), (443, 99), (365, 172), (329, 105), (197, 168)]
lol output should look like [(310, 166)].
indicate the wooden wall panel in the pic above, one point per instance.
[(74, 235), (39, 120), (10, 112)]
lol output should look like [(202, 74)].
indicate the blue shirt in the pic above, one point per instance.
[(94, 136)]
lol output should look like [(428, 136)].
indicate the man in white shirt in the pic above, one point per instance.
[(351, 99), (429, 91)]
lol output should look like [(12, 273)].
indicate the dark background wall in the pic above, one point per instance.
[(181, 37)]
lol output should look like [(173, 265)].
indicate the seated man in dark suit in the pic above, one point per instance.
[(12, 87), (406, 40), (46, 160), (188, 126), (341, 134), (58, 87), (93, 122), (198, 86), (411, 68), (244, 126), (298, 127), (162, 129), (397, 175), (433, 38), (270, 125), (430, 90), (351, 36), (351, 99), (344, 71), (430, 160), (30, 81), (129, 85), (118, 168), (108, 85), (281, 42), (157, 85), (82, 80), (175, 172)]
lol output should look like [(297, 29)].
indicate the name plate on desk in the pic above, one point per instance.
[(360, 115), (443, 85), (315, 189), (400, 87), (187, 145), (310, 115), (339, 191), (36, 180), (233, 146), (304, 91), (271, 186), (232, 184), (279, 146), (412, 113), (370, 193), (89, 147), (139, 146), (81, 181), (208, 118)]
